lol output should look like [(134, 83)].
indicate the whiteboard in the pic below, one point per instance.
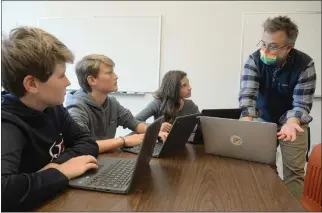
[(132, 42), (308, 40)]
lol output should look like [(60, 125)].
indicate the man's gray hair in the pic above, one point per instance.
[(282, 23)]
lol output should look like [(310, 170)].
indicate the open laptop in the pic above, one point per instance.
[(233, 113), (118, 175), (245, 140), (177, 138)]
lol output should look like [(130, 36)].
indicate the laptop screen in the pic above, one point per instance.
[(144, 156), (222, 113)]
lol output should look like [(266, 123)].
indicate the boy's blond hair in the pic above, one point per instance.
[(90, 66), (30, 51)]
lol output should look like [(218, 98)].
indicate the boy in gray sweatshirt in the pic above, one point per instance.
[(98, 113)]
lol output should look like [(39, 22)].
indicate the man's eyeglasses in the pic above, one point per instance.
[(269, 47)]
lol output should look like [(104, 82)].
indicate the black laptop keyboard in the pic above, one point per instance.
[(156, 151), (117, 175)]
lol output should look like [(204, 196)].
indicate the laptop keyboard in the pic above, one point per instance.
[(116, 175), (156, 150)]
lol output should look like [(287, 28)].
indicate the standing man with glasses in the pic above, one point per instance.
[(277, 85)]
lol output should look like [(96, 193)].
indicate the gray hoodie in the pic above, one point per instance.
[(100, 120)]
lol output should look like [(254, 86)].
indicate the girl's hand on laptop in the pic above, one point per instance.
[(133, 140), (163, 136), (166, 127)]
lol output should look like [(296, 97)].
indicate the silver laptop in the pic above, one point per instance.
[(118, 175), (245, 140)]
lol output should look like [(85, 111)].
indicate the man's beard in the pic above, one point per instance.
[(280, 61)]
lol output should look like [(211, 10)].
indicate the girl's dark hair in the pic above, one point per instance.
[(169, 94)]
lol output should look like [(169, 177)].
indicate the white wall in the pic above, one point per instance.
[(202, 38)]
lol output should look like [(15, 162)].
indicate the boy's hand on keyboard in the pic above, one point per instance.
[(163, 136), (77, 166), (134, 140), (166, 127), (50, 165)]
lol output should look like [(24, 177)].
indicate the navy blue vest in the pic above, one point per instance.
[(276, 88)]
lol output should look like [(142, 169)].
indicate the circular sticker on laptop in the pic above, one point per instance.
[(236, 140)]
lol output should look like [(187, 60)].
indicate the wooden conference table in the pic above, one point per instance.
[(189, 181)]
